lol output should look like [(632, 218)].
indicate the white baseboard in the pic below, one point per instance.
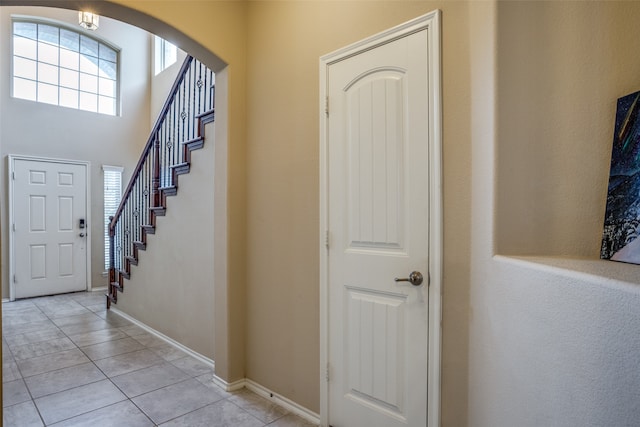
[(233, 386), (258, 389), (6, 300), (165, 338), (99, 289), (282, 401)]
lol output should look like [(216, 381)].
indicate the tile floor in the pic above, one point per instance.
[(67, 361)]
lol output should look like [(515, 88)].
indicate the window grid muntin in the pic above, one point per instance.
[(91, 50)]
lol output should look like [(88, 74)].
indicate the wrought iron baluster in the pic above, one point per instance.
[(145, 192), (156, 173), (132, 219), (192, 94), (122, 242), (183, 114), (117, 244), (174, 122), (136, 215), (199, 85), (191, 97), (127, 232)]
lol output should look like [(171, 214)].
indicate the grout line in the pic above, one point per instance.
[(168, 340), (225, 396)]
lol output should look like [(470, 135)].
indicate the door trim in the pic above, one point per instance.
[(431, 23), (11, 159)]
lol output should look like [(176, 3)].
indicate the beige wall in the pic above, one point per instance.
[(285, 42), (171, 288), (557, 94), (35, 129)]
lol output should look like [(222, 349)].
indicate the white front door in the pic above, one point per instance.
[(49, 250), (380, 160)]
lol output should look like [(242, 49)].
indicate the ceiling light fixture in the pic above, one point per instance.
[(88, 20)]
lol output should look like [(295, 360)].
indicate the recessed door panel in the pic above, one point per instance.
[(37, 213), (65, 259), (65, 213), (375, 121), (374, 349), (37, 177), (38, 261), (65, 179)]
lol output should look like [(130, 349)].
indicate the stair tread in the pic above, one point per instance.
[(206, 113), (132, 260), (171, 190), (149, 229), (159, 211), (178, 165), (196, 139), (181, 168), (194, 144)]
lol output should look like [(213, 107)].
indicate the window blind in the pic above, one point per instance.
[(112, 195)]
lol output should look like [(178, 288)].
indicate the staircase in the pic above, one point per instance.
[(178, 131)]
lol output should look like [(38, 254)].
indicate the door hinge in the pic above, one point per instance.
[(326, 105), (14, 226), (326, 239), (14, 279), (13, 176), (326, 374)]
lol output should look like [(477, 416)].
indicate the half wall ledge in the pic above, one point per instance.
[(612, 274)]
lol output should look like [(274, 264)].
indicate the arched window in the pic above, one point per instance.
[(56, 65)]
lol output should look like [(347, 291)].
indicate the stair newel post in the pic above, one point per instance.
[(155, 180), (112, 262)]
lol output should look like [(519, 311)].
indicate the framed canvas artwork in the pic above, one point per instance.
[(622, 218)]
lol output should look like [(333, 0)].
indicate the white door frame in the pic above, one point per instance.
[(431, 23), (11, 158)]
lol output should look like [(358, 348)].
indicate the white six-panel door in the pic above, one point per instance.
[(49, 247), (381, 155)]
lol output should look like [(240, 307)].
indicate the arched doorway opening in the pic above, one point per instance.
[(219, 281)]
